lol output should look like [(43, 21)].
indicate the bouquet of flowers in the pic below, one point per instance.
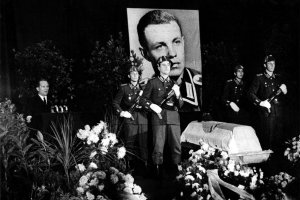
[(209, 167), (292, 152), (274, 186), (103, 176)]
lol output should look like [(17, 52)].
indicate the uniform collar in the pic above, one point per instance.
[(134, 86), (268, 76), (238, 82), (162, 79)]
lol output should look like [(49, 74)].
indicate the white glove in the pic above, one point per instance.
[(155, 108), (265, 104), (28, 119), (234, 107), (125, 114), (283, 88), (176, 90)]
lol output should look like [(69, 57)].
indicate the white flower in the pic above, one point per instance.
[(80, 190), (230, 166), (128, 190), (80, 167), (236, 173), (137, 189), (224, 155), (89, 196), (83, 180), (101, 187), (97, 129), (189, 177), (198, 175), (114, 178), (128, 178), (94, 182), (204, 146), (121, 152), (93, 154), (92, 138), (241, 187), (105, 142), (113, 138), (82, 134), (87, 127), (93, 165)]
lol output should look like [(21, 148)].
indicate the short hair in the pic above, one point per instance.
[(154, 17), (39, 80)]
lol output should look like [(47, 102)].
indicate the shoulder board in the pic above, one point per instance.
[(259, 74), (124, 84), (230, 80)]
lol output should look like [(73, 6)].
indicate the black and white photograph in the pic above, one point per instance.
[(150, 100)]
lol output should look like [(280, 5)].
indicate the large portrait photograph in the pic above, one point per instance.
[(154, 33)]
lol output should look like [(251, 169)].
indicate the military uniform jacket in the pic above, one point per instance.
[(125, 98), (156, 91), (263, 87), (234, 91), (191, 90)]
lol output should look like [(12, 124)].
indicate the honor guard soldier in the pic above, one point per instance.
[(135, 124), (234, 98), (265, 92), (162, 96)]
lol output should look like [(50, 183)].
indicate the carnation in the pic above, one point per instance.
[(114, 178), (93, 154), (121, 152), (83, 180), (136, 189), (80, 167), (90, 196)]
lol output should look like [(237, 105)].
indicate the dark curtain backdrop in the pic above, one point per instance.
[(75, 25)]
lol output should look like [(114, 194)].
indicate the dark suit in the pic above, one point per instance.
[(35, 108), (167, 128), (135, 130)]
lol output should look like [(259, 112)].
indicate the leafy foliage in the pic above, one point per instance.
[(43, 60), (109, 65)]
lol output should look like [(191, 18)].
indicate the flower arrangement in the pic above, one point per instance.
[(292, 152), (207, 168), (103, 176)]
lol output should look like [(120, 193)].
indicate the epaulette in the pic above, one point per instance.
[(230, 80), (259, 74), (123, 84)]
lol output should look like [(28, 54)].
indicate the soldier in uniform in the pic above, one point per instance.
[(135, 124), (234, 98), (265, 92), (160, 35), (162, 96)]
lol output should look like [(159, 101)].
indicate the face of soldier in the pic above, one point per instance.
[(134, 76), (239, 74), (270, 66), (166, 40), (43, 88), (164, 68)]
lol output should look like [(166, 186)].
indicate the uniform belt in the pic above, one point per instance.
[(167, 107)]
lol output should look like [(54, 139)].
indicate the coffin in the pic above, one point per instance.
[(240, 141)]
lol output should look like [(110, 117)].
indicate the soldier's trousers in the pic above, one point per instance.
[(163, 134), (136, 139)]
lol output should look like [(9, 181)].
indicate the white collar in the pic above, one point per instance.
[(42, 97)]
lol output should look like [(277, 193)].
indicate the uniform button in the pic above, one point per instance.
[(273, 90)]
